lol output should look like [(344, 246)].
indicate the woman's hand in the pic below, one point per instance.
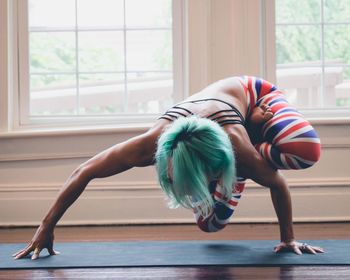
[(297, 248), (43, 238)]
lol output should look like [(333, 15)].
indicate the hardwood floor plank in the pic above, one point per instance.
[(169, 273)]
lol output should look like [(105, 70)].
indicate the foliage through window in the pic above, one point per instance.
[(312, 52), (99, 57)]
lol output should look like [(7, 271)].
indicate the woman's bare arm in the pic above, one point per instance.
[(251, 165), (135, 152)]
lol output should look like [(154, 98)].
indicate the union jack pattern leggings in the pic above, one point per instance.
[(290, 143)]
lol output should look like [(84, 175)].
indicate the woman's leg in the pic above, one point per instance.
[(287, 140), (223, 209), (290, 142)]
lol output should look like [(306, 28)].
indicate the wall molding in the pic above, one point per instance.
[(153, 185), (85, 155), (51, 156), (147, 205), (81, 144)]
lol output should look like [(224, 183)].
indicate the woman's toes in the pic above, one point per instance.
[(268, 115), (264, 107)]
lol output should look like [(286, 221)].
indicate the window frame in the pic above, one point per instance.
[(22, 120), (196, 70)]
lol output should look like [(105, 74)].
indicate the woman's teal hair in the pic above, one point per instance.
[(197, 150)]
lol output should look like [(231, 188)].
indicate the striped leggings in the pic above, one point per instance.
[(290, 142)]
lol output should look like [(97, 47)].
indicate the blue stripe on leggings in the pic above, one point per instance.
[(222, 212)]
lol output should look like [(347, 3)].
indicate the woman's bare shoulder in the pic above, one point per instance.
[(159, 127)]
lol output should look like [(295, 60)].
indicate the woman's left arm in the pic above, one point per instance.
[(250, 164)]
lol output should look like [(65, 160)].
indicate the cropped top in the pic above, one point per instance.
[(231, 115)]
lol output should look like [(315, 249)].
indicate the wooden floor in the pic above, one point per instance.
[(183, 232)]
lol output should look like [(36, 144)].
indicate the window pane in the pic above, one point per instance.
[(100, 13), (337, 10), (101, 51), (342, 90), (337, 42), (51, 13), (295, 44), (149, 92), (52, 52), (149, 50), (158, 13), (346, 73), (52, 95), (101, 94), (292, 11)]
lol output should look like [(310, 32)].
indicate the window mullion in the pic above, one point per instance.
[(125, 62), (77, 101), (322, 91), (23, 104)]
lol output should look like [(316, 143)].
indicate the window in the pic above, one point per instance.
[(98, 59), (312, 52)]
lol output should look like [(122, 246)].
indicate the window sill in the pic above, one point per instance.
[(333, 116), (137, 127), (68, 131), (329, 121)]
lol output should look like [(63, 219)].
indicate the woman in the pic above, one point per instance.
[(196, 146)]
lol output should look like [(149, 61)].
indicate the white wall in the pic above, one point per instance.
[(34, 165), (32, 170)]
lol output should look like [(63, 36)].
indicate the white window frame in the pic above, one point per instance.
[(22, 120), (198, 58)]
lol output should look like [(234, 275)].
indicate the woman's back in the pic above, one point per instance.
[(223, 102)]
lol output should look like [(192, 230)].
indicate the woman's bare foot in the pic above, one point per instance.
[(261, 114)]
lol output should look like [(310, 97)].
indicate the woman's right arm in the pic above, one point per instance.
[(135, 152)]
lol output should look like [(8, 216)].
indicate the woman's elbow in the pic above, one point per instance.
[(145, 148), (84, 173)]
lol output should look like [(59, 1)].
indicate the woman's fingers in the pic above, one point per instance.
[(313, 250), (318, 249), (36, 253), (310, 250), (297, 250), (23, 252), (279, 248), (15, 254)]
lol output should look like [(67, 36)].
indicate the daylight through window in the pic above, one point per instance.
[(99, 57)]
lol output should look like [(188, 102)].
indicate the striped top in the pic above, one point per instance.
[(231, 115)]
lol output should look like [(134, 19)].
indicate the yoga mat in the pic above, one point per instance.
[(175, 253)]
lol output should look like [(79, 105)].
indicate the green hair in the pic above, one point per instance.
[(197, 150)]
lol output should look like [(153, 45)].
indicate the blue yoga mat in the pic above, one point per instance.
[(175, 253)]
